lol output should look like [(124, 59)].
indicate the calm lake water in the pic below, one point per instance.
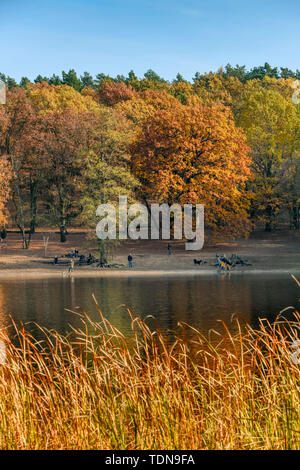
[(197, 300)]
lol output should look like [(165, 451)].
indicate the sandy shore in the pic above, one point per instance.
[(278, 252), (45, 274)]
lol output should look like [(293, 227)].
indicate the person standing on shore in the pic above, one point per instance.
[(71, 267), (130, 260), (169, 249)]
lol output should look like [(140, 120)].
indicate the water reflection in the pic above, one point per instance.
[(199, 301)]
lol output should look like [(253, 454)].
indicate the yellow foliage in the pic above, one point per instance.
[(52, 98)]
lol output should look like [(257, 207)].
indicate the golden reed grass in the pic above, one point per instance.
[(103, 390)]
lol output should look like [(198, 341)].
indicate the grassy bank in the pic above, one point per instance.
[(105, 391)]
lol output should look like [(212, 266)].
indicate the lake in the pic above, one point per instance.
[(199, 300)]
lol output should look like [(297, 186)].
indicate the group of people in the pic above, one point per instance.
[(223, 263), (90, 259), (73, 255)]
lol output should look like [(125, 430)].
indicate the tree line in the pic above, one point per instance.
[(229, 140), (87, 80)]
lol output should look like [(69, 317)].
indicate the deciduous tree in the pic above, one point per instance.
[(194, 153)]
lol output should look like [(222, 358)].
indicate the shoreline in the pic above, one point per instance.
[(275, 253), (29, 273)]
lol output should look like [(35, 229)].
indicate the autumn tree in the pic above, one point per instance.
[(270, 122), (194, 153), (112, 93), (52, 98), (182, 90), (290, 169), (17, 129), (106, 174), (65, 136), (145, 104)]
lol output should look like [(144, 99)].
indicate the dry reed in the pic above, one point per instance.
[(103, 390)]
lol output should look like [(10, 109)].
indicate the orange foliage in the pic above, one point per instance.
[(194, 153), (112, 93)]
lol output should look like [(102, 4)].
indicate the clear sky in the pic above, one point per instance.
[(168, 36)]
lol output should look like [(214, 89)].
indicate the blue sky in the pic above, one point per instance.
[(169, 36)]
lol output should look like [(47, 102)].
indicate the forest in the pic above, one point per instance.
[(228, 139)]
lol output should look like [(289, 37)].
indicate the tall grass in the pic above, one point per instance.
[(106, 391)]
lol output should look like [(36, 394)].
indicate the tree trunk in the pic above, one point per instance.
[(19, 206), (63, 233), (33, 205), (295, 215), (268, 226), (62, 226), (25, 240), (102, 253)]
